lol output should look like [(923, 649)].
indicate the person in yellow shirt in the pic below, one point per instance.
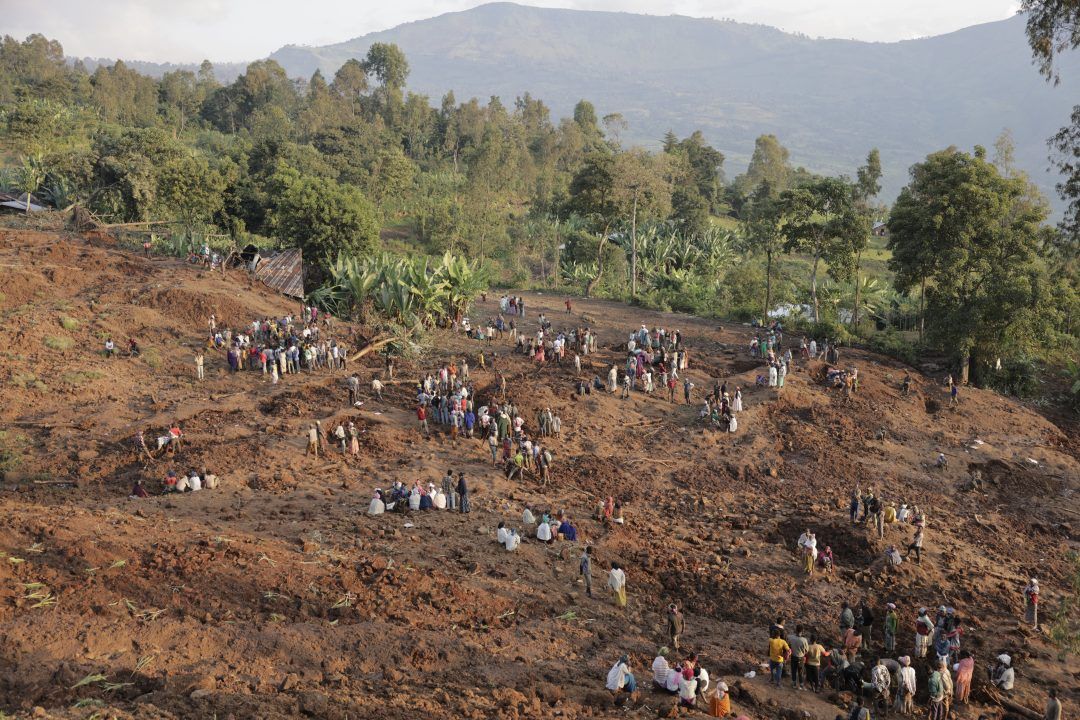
[(890, 514), (779, 651)]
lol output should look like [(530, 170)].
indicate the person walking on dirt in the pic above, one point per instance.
[(916, 545), (421, 419), (924, 628), (687, 387), (376, 387), (617, 583), (569, 308), (799, 645), (354, 389), (463, 493), (585, 565), (847, 618), (671, 388), (892, 622), (199, 365), (1031, 603), (815, 651), (675, 625), (312, 441), (779, 650), (866, 621)]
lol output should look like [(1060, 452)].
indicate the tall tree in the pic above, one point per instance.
[(763, 229), (971, 236), (770, 162), (867, 186), (820, 221)]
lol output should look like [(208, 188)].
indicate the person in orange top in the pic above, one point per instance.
[(779, 651), (720, 702), (852, 640)]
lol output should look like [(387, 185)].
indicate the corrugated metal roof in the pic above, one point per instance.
[(283, 272)]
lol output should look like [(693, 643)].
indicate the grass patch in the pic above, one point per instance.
[(1064, 623), (23, 379), (152, 357), (80, 377), (12, 447), (56, 342), (69, 323)]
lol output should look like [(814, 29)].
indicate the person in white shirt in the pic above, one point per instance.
[(377, 506), (182, 483), (502, 533), (619, 677), (527, 517), (194, 482), (1002, 674), (905, 691), (617, 583), (687, 688), (543, 532), (512, 540), (661, 669)]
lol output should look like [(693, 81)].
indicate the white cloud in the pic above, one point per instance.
[(230, 30)]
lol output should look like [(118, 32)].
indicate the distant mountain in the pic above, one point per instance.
[(829, 101)]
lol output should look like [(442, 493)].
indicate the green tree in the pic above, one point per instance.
[(181, 97), (324, 219), (31, 175), (821, 221), (770, 162), (1053, 27), (867, 186), (190, 190), (763, 218), (972, 236)]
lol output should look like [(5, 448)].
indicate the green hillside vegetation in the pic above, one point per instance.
[(350, 165)]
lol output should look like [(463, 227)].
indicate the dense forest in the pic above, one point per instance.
[(347, 167)]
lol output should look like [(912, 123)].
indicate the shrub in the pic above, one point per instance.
[(1018, 376), (894, 345), (69, 323), (152, 357), (56, 342)]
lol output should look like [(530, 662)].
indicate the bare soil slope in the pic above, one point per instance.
[(275, 596)]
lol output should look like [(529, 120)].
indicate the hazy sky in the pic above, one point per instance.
[(229, 30)]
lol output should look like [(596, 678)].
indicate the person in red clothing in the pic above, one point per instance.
[(170, 481), (569, 308), (421, 417)]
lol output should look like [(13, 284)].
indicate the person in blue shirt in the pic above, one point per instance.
[(567, 531)]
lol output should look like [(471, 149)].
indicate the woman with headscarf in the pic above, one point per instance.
[(905, 690), (1031, 603), (463, 493), (619, 677), (964, 670), (617, 583)]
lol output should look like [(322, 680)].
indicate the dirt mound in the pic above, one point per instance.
[(277, 596)]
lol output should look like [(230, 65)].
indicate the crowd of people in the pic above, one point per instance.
[(277, 347)]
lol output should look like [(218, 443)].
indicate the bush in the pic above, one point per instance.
[(55, 342), (894, 345), (1018, 376), (69, 323), (152, 358)]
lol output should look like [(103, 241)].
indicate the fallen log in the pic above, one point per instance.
[(371, 347), (1015, 707)]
